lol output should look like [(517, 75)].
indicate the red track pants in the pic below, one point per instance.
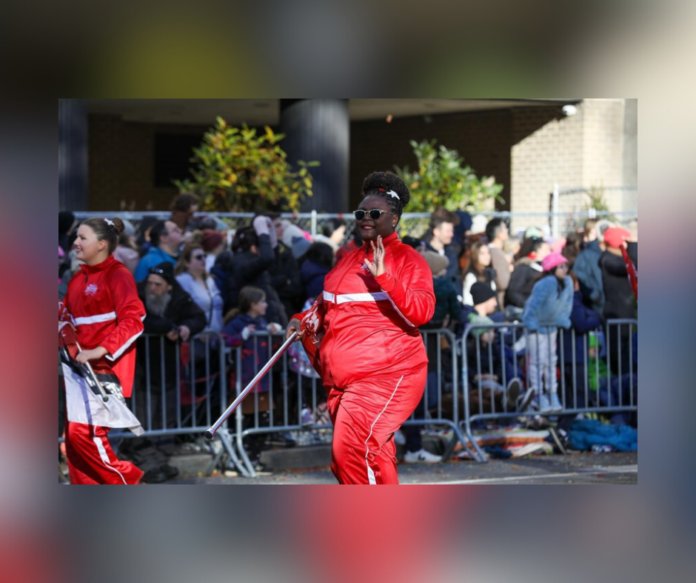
[(365, 416), (91, 459)]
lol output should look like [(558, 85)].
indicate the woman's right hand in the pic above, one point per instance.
[(294, 326)]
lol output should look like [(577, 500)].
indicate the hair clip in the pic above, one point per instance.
[(393, 194), (110, 222)]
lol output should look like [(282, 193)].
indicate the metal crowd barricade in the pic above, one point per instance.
[(609, 395)]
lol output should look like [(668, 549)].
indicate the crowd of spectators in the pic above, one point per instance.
[(195, 276)]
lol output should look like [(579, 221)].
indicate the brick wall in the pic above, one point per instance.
[(483, 139), (579, 151)]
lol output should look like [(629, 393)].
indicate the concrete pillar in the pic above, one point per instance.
[(319, 129), (72, 154)]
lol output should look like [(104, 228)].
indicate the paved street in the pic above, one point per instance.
[(574, 469)]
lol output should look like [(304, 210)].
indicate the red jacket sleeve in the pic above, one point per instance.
[(411, 289), (130, 313)]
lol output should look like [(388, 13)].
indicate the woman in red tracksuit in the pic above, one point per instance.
[(363, 337), (102, 304)]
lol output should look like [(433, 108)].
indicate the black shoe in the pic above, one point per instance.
[(154, 476), (560, 440), (169, 471)]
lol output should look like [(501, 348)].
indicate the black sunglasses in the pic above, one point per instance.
[(374, 214)]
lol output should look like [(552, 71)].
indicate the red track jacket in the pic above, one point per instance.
[(370, 325), (103, 303)]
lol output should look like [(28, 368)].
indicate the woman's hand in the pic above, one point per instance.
[(94, 354), (294, 326), (377, 267)]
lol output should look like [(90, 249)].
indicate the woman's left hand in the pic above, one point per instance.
[(94, 354), (377, 267)]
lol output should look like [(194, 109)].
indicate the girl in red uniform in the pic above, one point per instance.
[(363, 337), (102, 305)]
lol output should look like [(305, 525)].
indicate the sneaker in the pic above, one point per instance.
[(399, 437), (421, 457), (524, 401), (513, 393), (170, 472), (555, 403), (544, 405), (560, 439)]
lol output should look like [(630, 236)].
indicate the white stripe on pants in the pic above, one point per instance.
[(541, 369)]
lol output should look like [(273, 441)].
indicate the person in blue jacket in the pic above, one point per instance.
[(547, 309), (588, 271)]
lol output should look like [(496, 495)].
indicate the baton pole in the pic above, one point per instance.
[(210, 433), (88, 366)]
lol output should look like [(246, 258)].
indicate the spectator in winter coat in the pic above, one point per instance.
[(191, 274), (589, 274), (485, 303), (254, 256), (546, 310), (439, 239), (497, 233), (285, 272), (527, 271), (173, 315), (165, 239), (573, 345), (619, 300), (318, 261), (447, 307), (479, 270)]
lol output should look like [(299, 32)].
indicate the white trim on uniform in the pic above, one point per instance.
[(105, 457), (370, 473), (364, 297), (94, 319), (123, 348)]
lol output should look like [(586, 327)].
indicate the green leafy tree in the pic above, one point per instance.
[(240, 171), (443, 180)]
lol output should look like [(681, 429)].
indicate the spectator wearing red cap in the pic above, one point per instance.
[(546, 310), (213, 243), (620, 301)]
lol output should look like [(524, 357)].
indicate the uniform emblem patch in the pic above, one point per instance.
[(91, 289)]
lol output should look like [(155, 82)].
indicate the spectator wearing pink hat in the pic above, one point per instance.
[(546, 310), (619, 299)]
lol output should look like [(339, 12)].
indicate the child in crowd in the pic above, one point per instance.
[(237, 331), (479, 269), (547, 309)]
